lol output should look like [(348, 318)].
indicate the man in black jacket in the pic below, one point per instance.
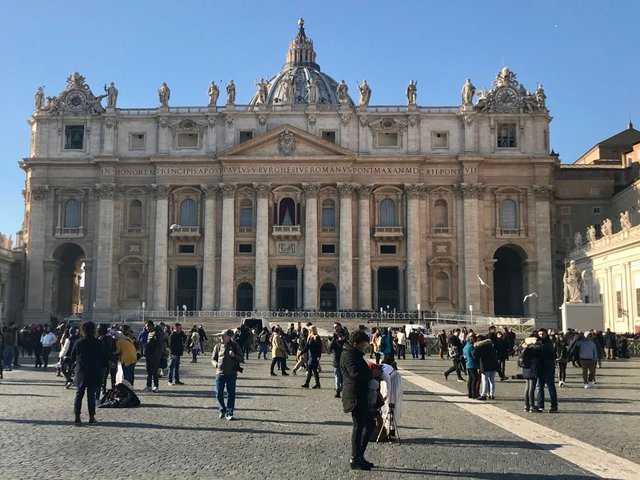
[(546, 375), (176, 345), (89, 357), (335, 349), (455, 352)]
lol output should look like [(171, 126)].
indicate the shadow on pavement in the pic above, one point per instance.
[(482, 475)]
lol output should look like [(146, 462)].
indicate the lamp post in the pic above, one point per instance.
[(471, 314), (143, 305)]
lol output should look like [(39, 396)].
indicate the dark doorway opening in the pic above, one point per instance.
[(508, 282), (286, 285), (388, 291), (187, 288), (70, 278), (244, 297), (328, 297)]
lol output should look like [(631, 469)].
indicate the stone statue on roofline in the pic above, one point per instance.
[(213, 92), (365, 93), (164, 93), (468, 91), (412, 92), (231, 93), (625, 221)]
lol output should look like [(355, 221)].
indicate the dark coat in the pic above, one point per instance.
[(355, 376), (335, 348), (530, 358), (90, 358), (176, 343), (313, 346), (486, 355), (547, 357)]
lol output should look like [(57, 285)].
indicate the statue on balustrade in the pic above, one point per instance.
[(412, 92), (607, 227), (468, 91), (577, 239), (573, 283), (625, 220), (231, 93), (214, 93), (591, 233), (164, 93), (365, 93)]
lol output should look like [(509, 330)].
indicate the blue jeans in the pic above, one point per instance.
[(8, 356), (415, 350), (547, 379), (91, 400), (128, 373), (338, 375), (174, 368), (230, 382)]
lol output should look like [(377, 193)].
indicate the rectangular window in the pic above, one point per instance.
[(566, 230), (245, 247), (328, 248), (186, 249), (637, 302), (246, 217), (595, 192), (74, 137), (507, 135), (387, 139), (439, 140), (245, 135), (565, 210), (619, 303), (596, 210), (137, 141), (188, 140), (328, 135), (387, 249)]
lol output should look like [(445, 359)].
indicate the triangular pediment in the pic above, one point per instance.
[(286, 142)]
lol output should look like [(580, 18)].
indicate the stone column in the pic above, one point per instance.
[(173, 282), (104, 261), (345, 295), (374, 274), (364, 248), (544, 288), (87, 300), (299, 287), (209, 254), (402, 293), (274, 278), (227, 251), (199, 288), (470, 194), (261, 287), (414, 284), (161, 193), (110, 143), (35, 308), (311, 248)]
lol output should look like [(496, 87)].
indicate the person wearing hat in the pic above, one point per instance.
[(226, 358), (588, 354)]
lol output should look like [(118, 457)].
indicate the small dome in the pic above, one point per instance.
[(300, 68)]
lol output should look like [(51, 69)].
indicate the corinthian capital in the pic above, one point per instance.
[(107, 190), (414, 190), (160, 191), (311, 189), (210, 190), (346, 189), (228, 189), (39, 192), (262, 189), (469, 190), (542, 192), (364, 190)]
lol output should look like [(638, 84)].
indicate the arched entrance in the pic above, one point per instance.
[(68, 280), (388, 288), (328, 298), (286, 288), (509, 281), (244, 297)]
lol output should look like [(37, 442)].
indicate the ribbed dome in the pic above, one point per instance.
[(301, 67)]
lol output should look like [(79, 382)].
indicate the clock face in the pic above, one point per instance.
[(76, 100), (507, 97)]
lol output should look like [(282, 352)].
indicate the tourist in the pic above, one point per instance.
[(48, 340), (65, 355), (488, 364), (278, 352), (163, 338), (89, 357), (500, 346), (356, 375), (203, 338), (263, 343), (385, 346), (313, 351), (401, 344), (176, 346), (339, 338), (36, 335), (142, 341), (547, 373), (473, 372), (301, 361), (413, 341), (422, 343), (610, 344), (128, 355), (442, 344), (562, 358), (111, 364), (152, 359), (588, 355), (375, 344), (529, 361), (226, 358), (9, 335), (194, 343), (455, 353), (1, 353)]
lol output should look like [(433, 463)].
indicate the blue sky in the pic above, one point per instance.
[(585, 53)]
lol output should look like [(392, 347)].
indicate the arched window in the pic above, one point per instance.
[(246, 213), (72, 214), (133, 285), (441, 285), (188, 213), (287, 212), (440, 214), (388, 213), (135, 213), (508, 215), (328, 214)]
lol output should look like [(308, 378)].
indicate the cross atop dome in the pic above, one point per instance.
[(301, 53)]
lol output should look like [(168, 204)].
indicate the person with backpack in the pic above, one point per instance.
[(194, 343), (152, 359), (455, 353), (487, 358), (263, 343), (226, 358), (385, 347), (89, 357)]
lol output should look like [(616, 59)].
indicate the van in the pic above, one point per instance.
[(415, 326), (256, 323)]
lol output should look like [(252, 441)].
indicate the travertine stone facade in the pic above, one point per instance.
[(299, 200)]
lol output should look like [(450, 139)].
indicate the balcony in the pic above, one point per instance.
[(510, 232), (75, 232), (286, 232), (178, 231), (133, 230), (441, 230), (388, 233)]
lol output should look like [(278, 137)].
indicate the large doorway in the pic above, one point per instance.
[(388, 291), (286, 286), (187, 288), (328, 298), (508, 281), (68, 299), (244, 297)]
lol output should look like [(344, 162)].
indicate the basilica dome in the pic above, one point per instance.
[(299, 75)]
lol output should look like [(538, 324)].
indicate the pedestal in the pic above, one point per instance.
[(582, 316)]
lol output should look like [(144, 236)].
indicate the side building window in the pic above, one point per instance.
[(246, 214), (71, 214), (441, 216), (188, 213), (135, 214), (328, 214), (508, 215), (506, 135), (388, 213)]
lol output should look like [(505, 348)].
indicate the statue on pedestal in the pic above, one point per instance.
[(262, 91), (577, 239), (39, 99), (112, 95), (468, 91), (625, 220), (412, 92), (343, 93), (541, 98), (607, 227), (591, 233), (365, 93), (214, 93), (231, 93), (164, 93), (312, 90), (573, 284)]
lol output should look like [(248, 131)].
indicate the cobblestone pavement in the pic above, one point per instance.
[(284, 431)]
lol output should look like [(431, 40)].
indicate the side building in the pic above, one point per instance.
[(301, 199)]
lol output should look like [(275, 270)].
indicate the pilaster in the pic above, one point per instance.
[(345, 295), (261, 287), (227, 251), (364, 247), (310, 298)]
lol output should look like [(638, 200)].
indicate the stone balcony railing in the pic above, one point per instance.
[(603, 244), (388, 232), (185, 232), (286, 232), (75, 232)]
